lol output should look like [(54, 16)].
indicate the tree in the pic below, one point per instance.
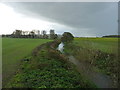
[(44, 35), (53, 35), (44, 32), (17, 33), (67, 37), (32, 34)]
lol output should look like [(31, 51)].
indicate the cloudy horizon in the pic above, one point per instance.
[(83, 19)]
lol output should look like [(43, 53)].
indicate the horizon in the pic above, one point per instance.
[(88, 19), (62, 33)]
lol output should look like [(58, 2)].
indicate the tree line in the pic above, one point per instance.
[(32, 34), (112, 36)]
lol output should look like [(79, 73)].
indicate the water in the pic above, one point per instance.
[(61, 47), (101, 80)]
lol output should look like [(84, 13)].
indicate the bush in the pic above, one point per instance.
[(67, 37)]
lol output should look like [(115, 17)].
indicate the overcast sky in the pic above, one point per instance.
[(79, 18)]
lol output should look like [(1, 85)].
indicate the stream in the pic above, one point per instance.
[(61, 47), (101, 80)]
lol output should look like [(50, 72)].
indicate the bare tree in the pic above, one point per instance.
[(23, 32), (32, 34), (17, 33), (38, 33)]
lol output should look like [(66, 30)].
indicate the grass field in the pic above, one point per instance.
[(89, 48), (14, 49), (108, 45)]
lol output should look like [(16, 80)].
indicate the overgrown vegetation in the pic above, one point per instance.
[(47, 68), (90, 50), (67, 37)]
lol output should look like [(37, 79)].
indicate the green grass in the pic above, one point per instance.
[(14, 49), (48, 70), (94, 49), (108, 45)]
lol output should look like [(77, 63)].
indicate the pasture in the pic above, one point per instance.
[(13, 50), (108, 45)]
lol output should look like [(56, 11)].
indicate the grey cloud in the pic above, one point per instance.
[(100, 18)]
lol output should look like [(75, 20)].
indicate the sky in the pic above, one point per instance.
[(82, 19)]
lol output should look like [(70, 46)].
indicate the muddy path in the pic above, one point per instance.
[(101, 80)]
